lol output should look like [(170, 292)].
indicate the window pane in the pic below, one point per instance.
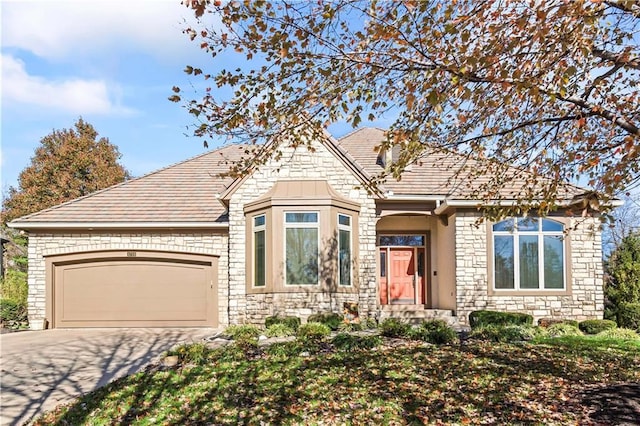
[(505, 225), (258, 221), (302, 255), (529, 269), (503, 260), (527, 224), (553, 262), (344, 257), (259, 259), (420, 263), (310, 217), (383, 263), (344, 220), (402, 240), (551, 225)]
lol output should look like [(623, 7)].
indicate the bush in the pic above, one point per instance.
[(350, 326), (484, 318), (14, 287), (558, 330), (393, 327), (504, 333), (279, 330), (434, 331), (596, 326), (291, 322), (284, 350), (313, 333), (245, 335), (195, 353), (547, 322), (348, 342), (12, 312), (619, 333), (629, 316), (330, 319), (369, 323)]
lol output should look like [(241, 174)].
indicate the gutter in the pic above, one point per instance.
[(118, 225), (447, 205)]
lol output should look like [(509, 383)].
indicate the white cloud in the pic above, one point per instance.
[(66, 28), (73, 95)]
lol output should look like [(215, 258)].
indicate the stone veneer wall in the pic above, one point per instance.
[(299, 164), (41, 245), (586, 300)]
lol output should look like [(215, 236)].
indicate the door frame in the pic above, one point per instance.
[(422, 292)]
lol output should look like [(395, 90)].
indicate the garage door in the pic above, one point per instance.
[(134, 289)]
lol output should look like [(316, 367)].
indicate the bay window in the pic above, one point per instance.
[(301, 248)]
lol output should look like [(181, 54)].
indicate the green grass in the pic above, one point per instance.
[(414, 383)]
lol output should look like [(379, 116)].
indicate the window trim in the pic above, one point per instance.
[(255, 230), (541, 290), (297, 225), (348, 228)]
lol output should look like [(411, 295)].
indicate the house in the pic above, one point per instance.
[(300, 234)]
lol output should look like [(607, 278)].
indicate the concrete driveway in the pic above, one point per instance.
[(41, 369)]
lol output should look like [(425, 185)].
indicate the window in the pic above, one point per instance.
[(259, 251), (301, 248), (344, 249), (528, 254)]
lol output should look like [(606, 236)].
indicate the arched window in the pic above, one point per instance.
[(528, 254)]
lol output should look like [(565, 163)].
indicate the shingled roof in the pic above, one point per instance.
[(434, 174), (184, 193), (187, 194)]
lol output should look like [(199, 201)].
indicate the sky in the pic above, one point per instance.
[(113, 63)]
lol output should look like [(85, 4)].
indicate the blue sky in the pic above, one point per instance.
[(111, 62)]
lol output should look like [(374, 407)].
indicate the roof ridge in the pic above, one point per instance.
[(359, 129), (126, 182)]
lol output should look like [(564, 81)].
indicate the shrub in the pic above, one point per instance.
[(619, 333), (369, 323), (546, 322), (245, 335), (313, 333), (629, 315), (350, 326), (348, 342), (284, 350), (279, 330), (596, 326), (14, 286), (558, 330), (291, 322), (195, 353), (330, 319), (504, 333), (434, 331), (12, 312), (393, 327), (483, 318)]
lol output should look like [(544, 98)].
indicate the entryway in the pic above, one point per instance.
[(403, 269)]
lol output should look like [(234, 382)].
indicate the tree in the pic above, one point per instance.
[(68, 164), (622, 283), (546, 86), (625, 221)]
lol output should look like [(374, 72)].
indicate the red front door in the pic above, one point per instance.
[(402, 270)]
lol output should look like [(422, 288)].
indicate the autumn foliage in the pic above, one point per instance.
[(68, 164), (549, 87)]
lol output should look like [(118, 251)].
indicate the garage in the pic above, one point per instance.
[(132, 289)]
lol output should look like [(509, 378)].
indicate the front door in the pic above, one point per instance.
[(403, 269), (402, 275)]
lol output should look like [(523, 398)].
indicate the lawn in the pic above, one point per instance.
[(399, 382)]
